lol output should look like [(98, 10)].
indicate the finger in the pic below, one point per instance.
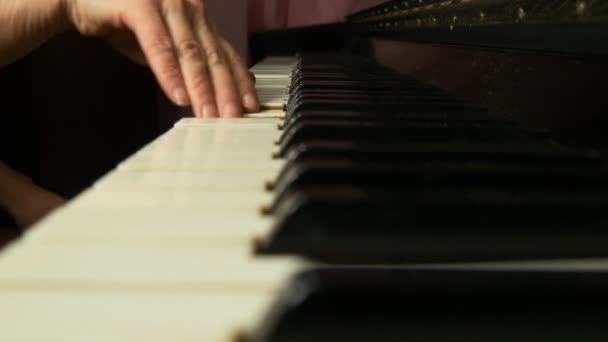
[(226, 92), (149, 28), (243, 78), (191, 59)]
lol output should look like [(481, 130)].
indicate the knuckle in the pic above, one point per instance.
[(170, 72), (206, 98), (163, 56), (173, 6), (85, 26), (201, 83), (214, 57), (160, 48), (167, 67), (198, 5), (189, 50)]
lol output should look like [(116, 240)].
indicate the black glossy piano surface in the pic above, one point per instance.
[(444, 132), (384, 169)]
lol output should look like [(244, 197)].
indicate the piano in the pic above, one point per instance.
[(361, 204)]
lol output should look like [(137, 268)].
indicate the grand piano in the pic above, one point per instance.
[(393, 188)]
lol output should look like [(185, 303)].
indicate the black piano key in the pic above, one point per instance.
[(386, 121), (347, 66), (343, 69), (324, 83), (372, 91), (401, 175), (306, 96), (383, 116), (371, 95), (429, 177), (361, 87), (372, 305), (409, 132), (354, 86), (348, 75), (349, 224), (420, 106), (541, 152), (405, 101), (548, 154)]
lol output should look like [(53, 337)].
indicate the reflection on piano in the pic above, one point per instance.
[(360, 205)]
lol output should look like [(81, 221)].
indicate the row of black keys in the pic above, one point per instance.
[(367, 184), (384, 169)]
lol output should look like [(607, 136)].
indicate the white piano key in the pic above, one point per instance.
[(205, 201), (170, 227), (196, 122), (268, 85), (273, 104), (190, 147), (269, 114), (271, 72), (217, 162), (272, 92), (71, 316), (224, 136), (178, 164), (206, 268), (250, 181), (160, 249)]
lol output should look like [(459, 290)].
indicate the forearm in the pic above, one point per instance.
[(13, 186), (23, 200), (26, 24)]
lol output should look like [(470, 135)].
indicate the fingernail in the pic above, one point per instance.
[(181, 97), (209, 111), (250, 102), (231, 111)]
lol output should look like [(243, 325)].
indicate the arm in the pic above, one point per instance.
[(194, 65), (23, 200), (24, 25)]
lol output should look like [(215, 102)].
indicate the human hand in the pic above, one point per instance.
[(193, 64), (35, 204)]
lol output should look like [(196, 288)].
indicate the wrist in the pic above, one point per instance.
[(29, 24), (60, 10)]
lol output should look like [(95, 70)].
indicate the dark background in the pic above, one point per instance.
[(72, 110)]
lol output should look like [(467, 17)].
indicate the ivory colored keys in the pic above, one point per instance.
[(273, 78), (160, 248)]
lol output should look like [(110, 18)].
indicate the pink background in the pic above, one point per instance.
[(236, 19)]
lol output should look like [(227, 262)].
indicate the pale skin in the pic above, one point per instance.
[(193, 64), (26, 202)]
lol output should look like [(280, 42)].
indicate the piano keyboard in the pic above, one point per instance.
[(162, 248)]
